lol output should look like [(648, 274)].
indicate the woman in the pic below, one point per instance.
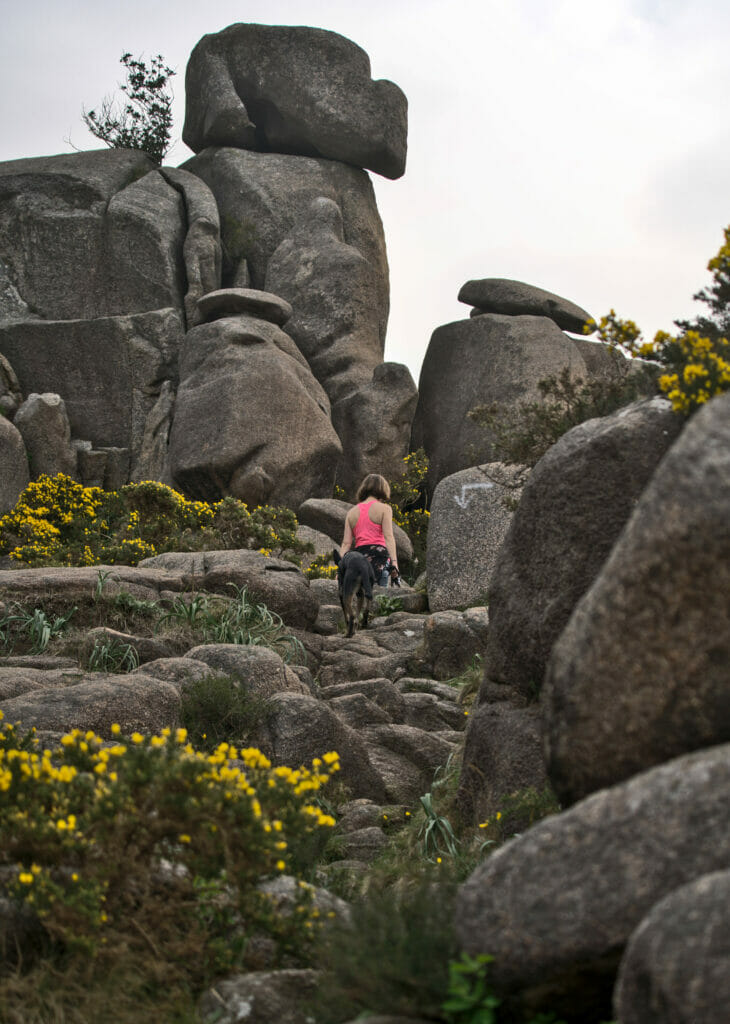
[(369, 528)]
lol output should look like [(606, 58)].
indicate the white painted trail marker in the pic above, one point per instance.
[(462, 500)]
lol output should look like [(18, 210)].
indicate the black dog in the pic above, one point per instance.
[(355, 578)]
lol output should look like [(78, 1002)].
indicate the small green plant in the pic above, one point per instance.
[(216, 709), (388, 605), (125, 602), (145, 121), (112, 656), (33, 629), (186, 612), (242, 621), (470, 999), (469, 681), (437, 836)]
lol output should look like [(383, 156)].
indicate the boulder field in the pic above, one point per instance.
[(220, 327)]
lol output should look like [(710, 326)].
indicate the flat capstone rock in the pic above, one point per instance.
[(250, 301), (514, 298)]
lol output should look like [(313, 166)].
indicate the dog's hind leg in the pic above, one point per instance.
[(360, 601), (347, 607), (367, 603)]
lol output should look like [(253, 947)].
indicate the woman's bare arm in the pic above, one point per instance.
[(347, 538), (387, 527)]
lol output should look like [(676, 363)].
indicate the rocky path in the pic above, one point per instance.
[(381, 698)]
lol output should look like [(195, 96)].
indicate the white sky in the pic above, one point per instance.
[(579, 145)]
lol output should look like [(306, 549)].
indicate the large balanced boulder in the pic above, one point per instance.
[(573, 507), (677, 964), (486, 360), (14, 476), (470, 514), (640, 673), (556, 906), (250, 419), (514, 298), (293, 90), (109, 371)]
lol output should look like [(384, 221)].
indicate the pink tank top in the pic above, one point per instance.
[(366, 531)]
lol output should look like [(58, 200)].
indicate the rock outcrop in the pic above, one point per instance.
[(14, 476), (576, 502), (250, 419), (491, 358), (640, 673), (557, 906), (678, 960), (109, 371), (470, 514), (108, 255), (46, 432), (261, 87)]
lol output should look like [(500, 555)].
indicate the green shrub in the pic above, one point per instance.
[(393, 956), (321, 568), (388, 605), (523, 434), (217, 708), (145, 121), (697, 367), (142, 858), (519, 811), (408, 498)]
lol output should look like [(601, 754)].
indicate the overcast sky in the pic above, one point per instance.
[(579, 145)]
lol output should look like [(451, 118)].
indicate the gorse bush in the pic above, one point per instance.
[(59, 521), (697, 360), (697, 367), (148, 853), (408, 498)]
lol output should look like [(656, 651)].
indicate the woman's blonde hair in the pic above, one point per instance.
[(376, 485)]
